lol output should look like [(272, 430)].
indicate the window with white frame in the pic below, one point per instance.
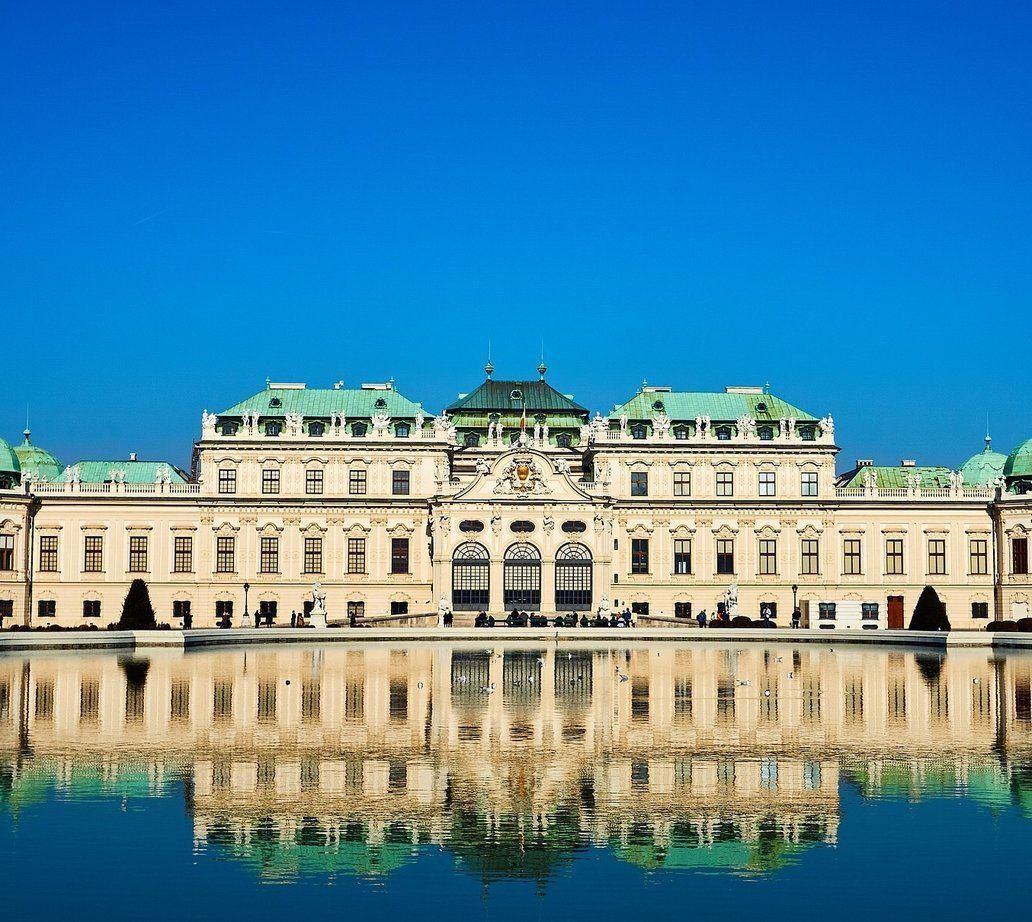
[(808, 483), (768, 483)]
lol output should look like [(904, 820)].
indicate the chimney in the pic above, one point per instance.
[(132, 456), (864, 462), (908, 462)]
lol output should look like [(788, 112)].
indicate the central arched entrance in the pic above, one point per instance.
[(573, 566), (522, 577), (471, 577)]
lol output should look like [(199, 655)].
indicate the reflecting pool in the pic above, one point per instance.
[(515, 778)]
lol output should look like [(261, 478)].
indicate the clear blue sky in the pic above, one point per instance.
[(833, 197)]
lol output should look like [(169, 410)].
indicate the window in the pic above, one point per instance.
[(639, 555), (356, 555), (48, 553), (230, 428), (357, 481), (6, 552), (807, 433), (137, 553), (225, 554), (825, 611), (562, 440), (851, 562), (273, 428), (180, 608), (227, 480), (400, 482), (402, 430), (638, 431), (894, 557), (766, 433), (980, 610), (723, 433), (522, 526), (639, 483), (313, 555), (182, 554), (768, 557), (683, 610), (358, 430), (808, 485), (268, 555), (47, 608), (471, 439), (399, 608), (767, 484), (313, 481), (399, 555), (682, 483), (868, 611), (682, 555), (1019, 555), (270, 480), (725, 555), (356, 610), (725, 483), (91, 608), (809, 558), (317, 430), (681, 433), (93, 556), (978, 552), (936, 556)]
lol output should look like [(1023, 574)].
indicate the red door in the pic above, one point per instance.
[(895, 613)]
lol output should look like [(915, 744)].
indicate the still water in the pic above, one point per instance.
[(578, 780)]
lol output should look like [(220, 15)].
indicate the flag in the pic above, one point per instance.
[(523, 419)]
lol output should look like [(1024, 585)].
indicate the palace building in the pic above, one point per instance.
[(514, 496)]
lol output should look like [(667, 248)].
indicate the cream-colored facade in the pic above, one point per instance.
[(394, 511)]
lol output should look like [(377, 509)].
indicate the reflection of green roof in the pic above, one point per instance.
[(1019, 461), (890, 478), (9, 463), (511, 397), (38, 461), (687, 405), (135, 471), (321, 403), (979, 470)]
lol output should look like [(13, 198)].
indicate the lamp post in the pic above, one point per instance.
[(246, 620), (795, 589)]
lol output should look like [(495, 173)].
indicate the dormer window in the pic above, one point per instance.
[(275, 402), (358, 430), (402, 430), (681, 433), (230, 427), (724, 433), (471, 440), (317, 430), (761, 407), (562, 440), (638, 431), (381, 404), (807, 434), (765, 433), (658, 405), (273, 428), (516, 394)]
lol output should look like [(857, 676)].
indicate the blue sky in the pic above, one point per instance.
[(834, 198)]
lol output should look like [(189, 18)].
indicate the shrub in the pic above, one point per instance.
[(929, 613), (1002, 626), (137, 611), (742, 621), (1024, 624)]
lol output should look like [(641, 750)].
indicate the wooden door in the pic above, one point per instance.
[(895, 613)]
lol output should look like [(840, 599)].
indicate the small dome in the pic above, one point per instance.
[(982, 469), (38, 461), (9, 463), (1019, 461)]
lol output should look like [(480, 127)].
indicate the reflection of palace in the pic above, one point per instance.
[(312, 757), (514, 497)]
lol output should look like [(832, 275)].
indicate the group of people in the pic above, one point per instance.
[(766, 617), (517, 618)]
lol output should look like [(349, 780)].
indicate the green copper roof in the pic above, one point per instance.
[(1019, 461), (981, 469), (38, 461), (512, 396), (9, 463), (324, 402), (135, 471), (687, 405), (512, 420), (891, 478)]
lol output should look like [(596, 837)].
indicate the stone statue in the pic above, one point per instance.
[(746, 427), (381, 424), (956, 479), (419, 422), (544, 433), (208, 422), (548, 523), (443, 608), (74, 473), (562, 466), (603, 607), (661, 424), (317, 616), (483, 466), (623, 424), (294, 423), (731, 600), (585, 435), (537, 431), (827, 425), (790, 431)]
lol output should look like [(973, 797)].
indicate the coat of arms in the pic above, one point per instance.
[(521, 477)]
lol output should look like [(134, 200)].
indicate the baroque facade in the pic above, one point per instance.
[(514, 496)]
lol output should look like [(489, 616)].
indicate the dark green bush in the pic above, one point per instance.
[(137, 611), (929, 613)]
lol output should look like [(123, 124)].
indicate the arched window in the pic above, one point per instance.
[(681, 433), (358, 430), (638, 431), (521, 582), (765, 433), (471, 577), (472, 440), (724, 433), (562, 440), (273, 427), (573, 569), (402, 430), (807, 434), (317, 430), (230, 427)]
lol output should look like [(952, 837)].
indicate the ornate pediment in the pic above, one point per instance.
[(523, 474)]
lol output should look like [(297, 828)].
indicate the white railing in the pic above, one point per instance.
[(986, 493), (41, 488)]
